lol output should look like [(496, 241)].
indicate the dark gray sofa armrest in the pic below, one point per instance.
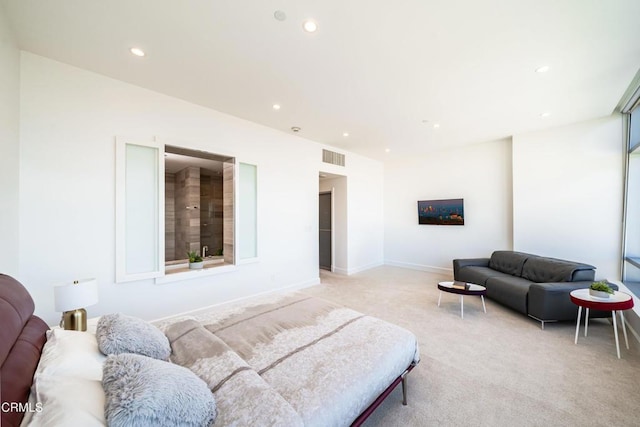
[(459, 263), (551, 301)]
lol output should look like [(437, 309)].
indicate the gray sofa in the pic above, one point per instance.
[(533, 285)]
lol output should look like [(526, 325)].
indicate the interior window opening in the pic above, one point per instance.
[(199, 209)]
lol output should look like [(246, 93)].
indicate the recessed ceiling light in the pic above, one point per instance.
[(295, 128), (542, 69), (436, 125), (387, 150), (276, 106), (137, 51), (279, 15), (545, 115), (345, 134), (310, 26)]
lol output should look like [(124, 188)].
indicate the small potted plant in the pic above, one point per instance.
[(600, 289), (195, 260)]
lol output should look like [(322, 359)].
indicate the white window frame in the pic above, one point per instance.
[(244, 238), (122, 275), (156, 245)]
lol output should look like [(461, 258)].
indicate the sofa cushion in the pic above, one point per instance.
[(541, 270), (586, 274), (508, 262), (510, 291), (550, 301), (478, 275)]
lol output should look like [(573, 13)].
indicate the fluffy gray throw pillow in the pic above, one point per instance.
[(118, 333), (140, 391)]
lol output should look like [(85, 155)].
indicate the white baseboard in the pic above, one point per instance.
[(633, 331), (631, 317), (339, 270), (420, 267), (293, 287), (365, 267), (349, 271)]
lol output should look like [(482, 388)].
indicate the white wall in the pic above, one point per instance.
[(69, 118), (9, 148), (480, 174), (359, 200), (358, 214), (365, 207), (568, 189), (556, 193)]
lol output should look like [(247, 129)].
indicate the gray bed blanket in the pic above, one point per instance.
[(294, 360)]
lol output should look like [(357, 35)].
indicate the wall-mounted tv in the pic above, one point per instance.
[(441, 212)]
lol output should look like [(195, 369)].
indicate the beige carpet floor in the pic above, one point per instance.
[(493, 369)]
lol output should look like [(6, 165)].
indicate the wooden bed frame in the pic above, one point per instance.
[(23, 335)]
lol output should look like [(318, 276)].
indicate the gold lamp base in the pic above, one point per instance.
[(74, 320)]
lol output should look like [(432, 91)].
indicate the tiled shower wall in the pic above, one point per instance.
[(188, 228), (228, 211), (211, 212), (187, 211), (169, 216)]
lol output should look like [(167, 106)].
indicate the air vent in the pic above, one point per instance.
[(332, 157)]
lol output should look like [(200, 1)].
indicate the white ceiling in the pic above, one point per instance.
[(375, 69)]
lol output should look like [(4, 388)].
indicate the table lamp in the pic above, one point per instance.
[(70, 300)]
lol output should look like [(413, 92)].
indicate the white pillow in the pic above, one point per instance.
[(67, 384), (68, 401), (71, 353)]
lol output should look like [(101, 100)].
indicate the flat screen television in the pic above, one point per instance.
[(441, 212)]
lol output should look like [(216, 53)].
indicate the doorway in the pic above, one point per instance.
[(325, 226), (332, 216)]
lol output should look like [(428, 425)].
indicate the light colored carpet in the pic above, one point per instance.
[(493, 369)]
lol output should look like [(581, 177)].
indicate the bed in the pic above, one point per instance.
[(287, 360)]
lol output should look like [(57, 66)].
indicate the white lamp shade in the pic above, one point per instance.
[(76, 295)]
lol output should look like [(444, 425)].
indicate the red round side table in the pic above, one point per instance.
[(618, 302)]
